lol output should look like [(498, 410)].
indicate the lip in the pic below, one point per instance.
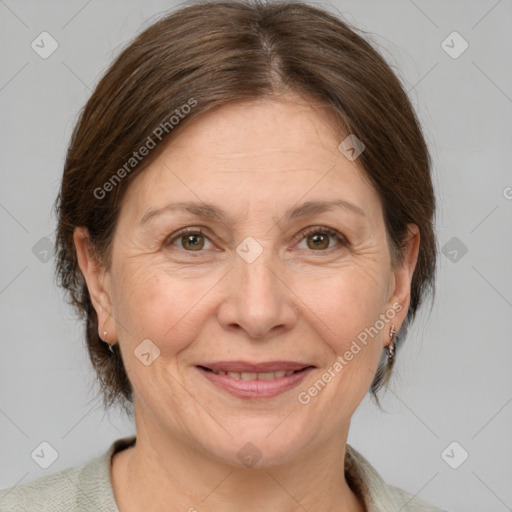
[(256, 389), (245, 366)]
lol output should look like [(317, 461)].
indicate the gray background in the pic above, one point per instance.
[(453, 380)]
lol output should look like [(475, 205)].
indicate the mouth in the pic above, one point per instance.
[(255, 380)]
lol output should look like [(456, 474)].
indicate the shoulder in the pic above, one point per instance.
[(410, 503), (52, 492), (83, 488), (377, 494)]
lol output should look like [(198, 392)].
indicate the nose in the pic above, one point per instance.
[(258, 299)]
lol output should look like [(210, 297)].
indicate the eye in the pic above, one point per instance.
[(317, 238), (189, 239)]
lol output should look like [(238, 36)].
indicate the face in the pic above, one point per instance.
[(258, 278)]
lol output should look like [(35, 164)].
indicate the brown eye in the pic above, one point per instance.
[(193, 241), (190, 240), (319, 239)]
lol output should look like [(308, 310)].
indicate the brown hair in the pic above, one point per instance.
[(206, 55)]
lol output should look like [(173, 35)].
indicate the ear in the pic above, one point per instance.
[(399, 296), (98, 283)]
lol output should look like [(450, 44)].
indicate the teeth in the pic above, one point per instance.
[(256, 376), (248, 376), (269, 375)]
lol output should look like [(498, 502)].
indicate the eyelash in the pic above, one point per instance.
[(301, 236)]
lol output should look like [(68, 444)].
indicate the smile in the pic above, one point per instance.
[(255, 385), (255, 376)]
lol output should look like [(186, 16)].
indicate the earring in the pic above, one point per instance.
[(391, 346), (105, 339)]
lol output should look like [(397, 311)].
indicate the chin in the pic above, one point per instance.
[(259, 450)]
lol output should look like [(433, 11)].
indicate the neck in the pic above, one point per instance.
[(171, 476), (166, 472)]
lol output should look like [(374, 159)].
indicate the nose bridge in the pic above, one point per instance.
[(258, 282), (259, 300), (258, 279)]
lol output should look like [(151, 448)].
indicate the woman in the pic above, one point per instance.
[(245, 225)]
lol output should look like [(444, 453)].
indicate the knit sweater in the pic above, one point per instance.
[(88, 488)]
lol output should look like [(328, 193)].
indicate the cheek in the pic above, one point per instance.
[(153, 303), (343, 309), (355, 333), (346, 300)]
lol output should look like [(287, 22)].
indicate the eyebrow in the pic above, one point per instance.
[(211, 212)]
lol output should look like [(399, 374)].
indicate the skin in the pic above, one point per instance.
[(294, 302)]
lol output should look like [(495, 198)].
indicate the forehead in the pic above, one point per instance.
[(254, 153), (260, 128)]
